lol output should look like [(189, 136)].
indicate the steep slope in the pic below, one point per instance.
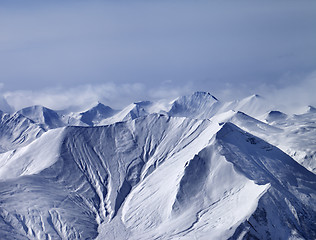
[(200, 105), (184, 178), (214, 194), (199, 197), (47, 118), (96, 114), (247, 123), (253, 105), (89, 180), (203, 105), (132, 111), (197, 168), (3, 116), (294, 135), (275, 116), (16, 131), (288, 208), (299, 140), (136, 110), (32, 158)]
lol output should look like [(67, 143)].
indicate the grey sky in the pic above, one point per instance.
[(145, 49)]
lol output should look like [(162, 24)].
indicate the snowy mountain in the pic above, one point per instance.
[(200, 105), (17, 130), (96, 114), (136, 110), (43, 116), (194, 168)]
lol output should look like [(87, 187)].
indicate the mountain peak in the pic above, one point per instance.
[(275, 115), (96, 114), (204, 94), (227, 128), (42, 115), (311, 109), (100, 106), (196, 105), (143, 103), (256, 96)]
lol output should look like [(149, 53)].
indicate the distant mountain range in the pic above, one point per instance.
[(193, 168)]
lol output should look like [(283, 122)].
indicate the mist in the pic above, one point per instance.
[(81, 52)]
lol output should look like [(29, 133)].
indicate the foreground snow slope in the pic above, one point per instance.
[(290, 201), (33, 158), (89, 180), (154, 177)]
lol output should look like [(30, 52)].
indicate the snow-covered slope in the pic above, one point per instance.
[(299, 138), (132, 111), (195, 168), (17, 130), (96, 114), (201, 105), (95, 170), (290, 201), (33, 157), (275, 116), (254, 105), (136, 110), (43, 116)]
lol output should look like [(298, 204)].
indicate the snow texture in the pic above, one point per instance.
[(194, 168)]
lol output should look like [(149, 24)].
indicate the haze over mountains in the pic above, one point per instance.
[(193, 168)]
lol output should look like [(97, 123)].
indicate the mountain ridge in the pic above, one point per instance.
[(174, 170)]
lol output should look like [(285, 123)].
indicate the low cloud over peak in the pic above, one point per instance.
[(155, 49)]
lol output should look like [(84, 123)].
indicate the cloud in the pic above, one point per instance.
[(63, 53), (294, 97), (292, 94), (84, 96)]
